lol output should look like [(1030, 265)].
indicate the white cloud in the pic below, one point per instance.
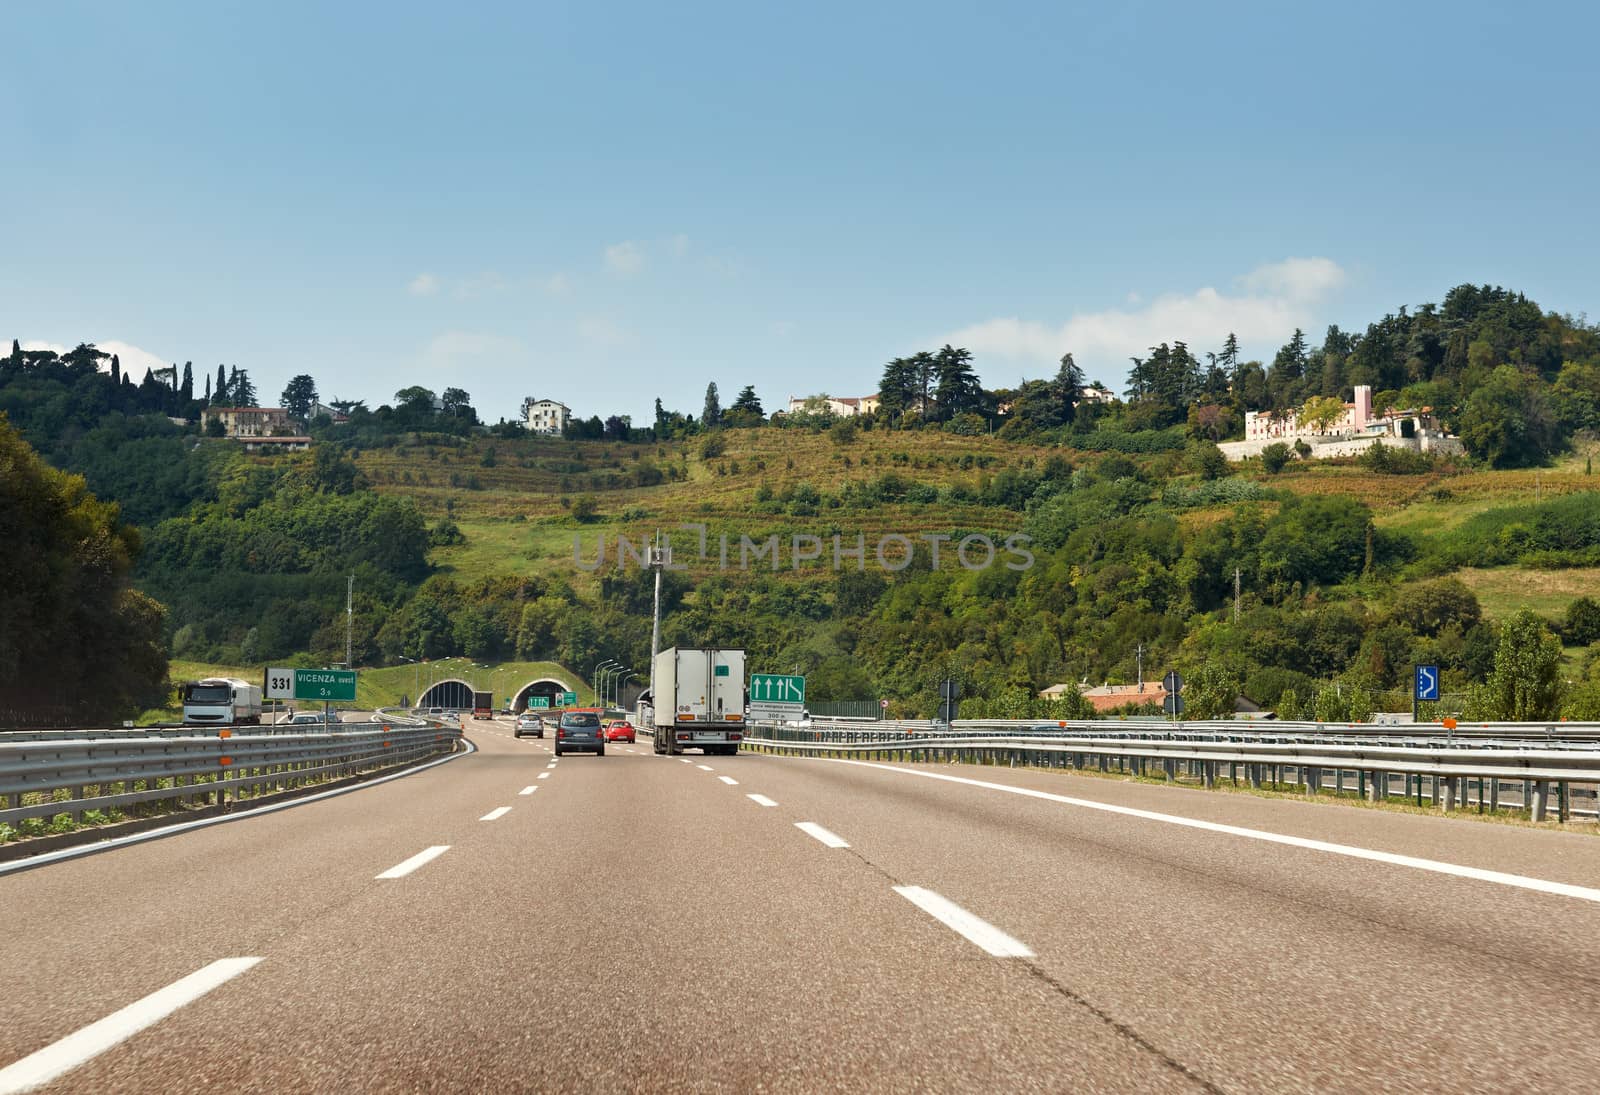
[(423, 285), (557, 285), (625, 258), (1270, 303), (603, 333), (454, 345)]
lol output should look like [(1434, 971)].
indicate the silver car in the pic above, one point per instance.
[(529, 724), (580, 731)]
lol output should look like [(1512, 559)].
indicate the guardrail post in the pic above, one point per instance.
[(1313, 778), (1445, 796), (1170, 770), (1380, 787), (1537, 799), (1252, 773), (1208, 773), (1494, 794)]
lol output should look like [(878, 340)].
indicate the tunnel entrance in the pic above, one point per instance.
[(547, 689), (453, 694)]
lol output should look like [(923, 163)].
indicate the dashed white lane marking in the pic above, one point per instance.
[(832, 840), (705, 768), (761, 800), (400, 870), (686, 760), (1561, 889), (729, 780), (544, 775), (528, 790), (953, 916), (38, 1069), (496, 814)]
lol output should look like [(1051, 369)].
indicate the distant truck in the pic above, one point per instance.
[(482, 705), (221, 701), (697, 700)]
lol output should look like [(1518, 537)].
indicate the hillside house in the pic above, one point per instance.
[(838, 406), (545, 416), (240, 422)]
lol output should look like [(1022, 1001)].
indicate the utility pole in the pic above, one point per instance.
[(349, 616), (660, 557), (1139, 656), (1235, 594)]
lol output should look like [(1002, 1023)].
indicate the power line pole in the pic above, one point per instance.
[(1235, 594), (349, 617), (1139, 656)]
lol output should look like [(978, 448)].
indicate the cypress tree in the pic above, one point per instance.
[(116, 370), (221, 389), (186, 390)]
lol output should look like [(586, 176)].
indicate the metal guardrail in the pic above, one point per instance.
[(1308, 757), (1233, 729), (106, 772)]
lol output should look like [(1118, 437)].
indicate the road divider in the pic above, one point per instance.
[(973, 928), (38, 1069), (427, 855), (811, 828)]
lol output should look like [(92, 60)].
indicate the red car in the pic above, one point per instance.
[(620, 730)]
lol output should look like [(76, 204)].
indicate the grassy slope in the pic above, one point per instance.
[(516, 522), (384, 687)]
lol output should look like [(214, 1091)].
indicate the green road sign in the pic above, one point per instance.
[(311, 684), (538, 701), (569, 699), (776, 688)]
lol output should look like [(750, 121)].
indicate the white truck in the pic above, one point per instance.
[(221, 701), (697, 700)]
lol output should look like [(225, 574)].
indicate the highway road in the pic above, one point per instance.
[(506, 921)]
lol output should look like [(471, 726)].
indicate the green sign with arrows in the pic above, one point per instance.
[(777, 688)]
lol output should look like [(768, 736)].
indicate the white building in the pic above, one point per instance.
[(838, 406), (545, 416), (1351, 434)]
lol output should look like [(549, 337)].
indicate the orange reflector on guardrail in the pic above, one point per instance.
[(1449, 724), (224, 761), (224, 733)]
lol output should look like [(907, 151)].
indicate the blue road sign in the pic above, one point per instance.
[(1427, 682)]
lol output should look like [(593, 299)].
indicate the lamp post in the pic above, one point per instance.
[(616, 694), (416, 678), (599, 678)]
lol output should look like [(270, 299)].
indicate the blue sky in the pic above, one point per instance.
[(609, 203)]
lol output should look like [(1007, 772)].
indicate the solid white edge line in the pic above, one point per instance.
[(729, 780), (811, 828), (496, 814), (1523, 882), (528, 790), (405, 867), (45, 858), (761, 800), (42, 1066), (954, 917)]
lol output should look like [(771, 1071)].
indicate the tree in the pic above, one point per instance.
[(1508, 421), (186, 389), (299, 397), (456, 403), (77, 638), (415, 399), (1211, 690), (1320, 412), (897, 389), (220, 391), (617, 427), (1582, 624), (958, 390), (240, 390), (207, 399), (1228, 359), (711, 415), (1525, 685), (746, 410), (1274, 457), (116, 369)]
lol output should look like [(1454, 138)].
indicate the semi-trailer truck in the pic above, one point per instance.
[(221, 701), (697, 700), (482, 705)]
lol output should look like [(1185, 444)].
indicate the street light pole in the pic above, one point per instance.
[(599, 676), (616, 695)]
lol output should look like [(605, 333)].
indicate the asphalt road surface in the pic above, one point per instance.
[(508, 922)]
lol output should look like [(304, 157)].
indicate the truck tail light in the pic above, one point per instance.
[(735, 736)]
